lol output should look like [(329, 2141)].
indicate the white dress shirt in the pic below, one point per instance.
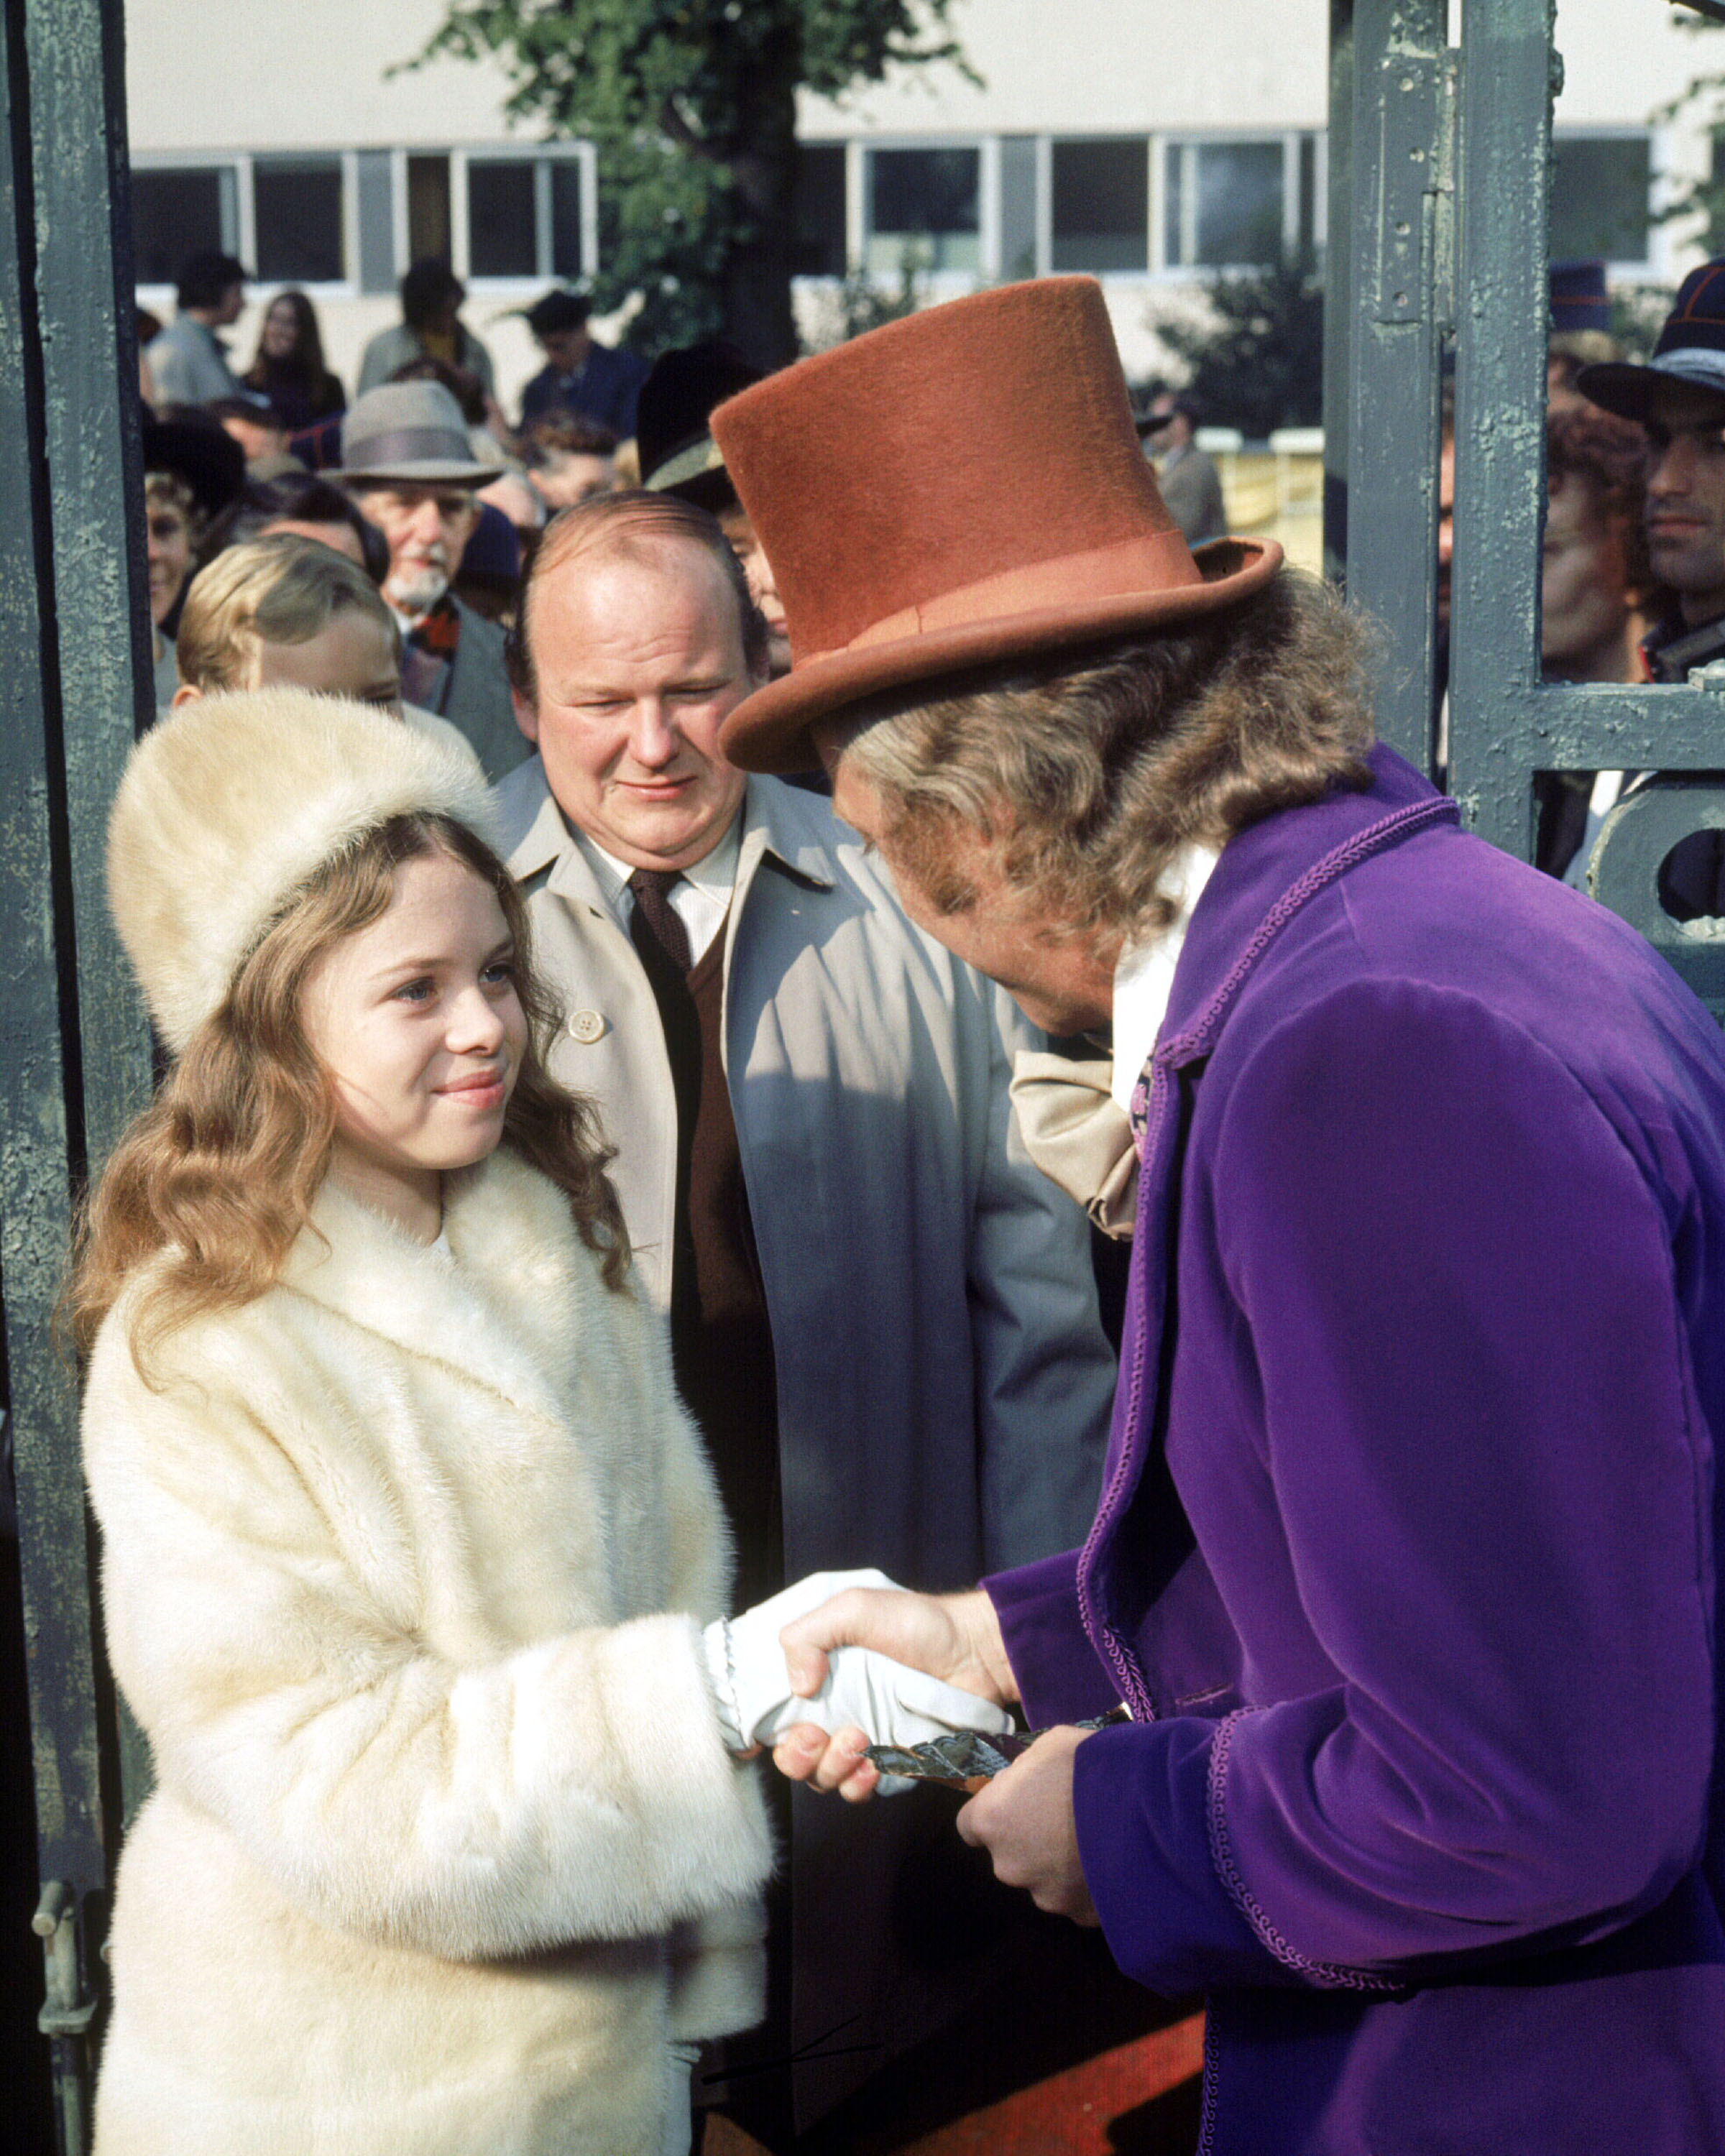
[(701, 900), (1144, 978)]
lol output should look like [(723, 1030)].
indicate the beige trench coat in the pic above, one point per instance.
[(944, 1385)]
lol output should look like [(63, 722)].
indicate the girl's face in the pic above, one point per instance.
[(418, 1022), (281, 332)]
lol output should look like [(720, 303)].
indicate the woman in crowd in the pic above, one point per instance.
[(172, 522), (407, 1537), (289, 368)]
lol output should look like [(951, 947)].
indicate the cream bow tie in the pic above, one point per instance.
[(1077, 1136)]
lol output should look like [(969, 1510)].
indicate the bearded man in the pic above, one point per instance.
[(408, 463), (1404, 1569)]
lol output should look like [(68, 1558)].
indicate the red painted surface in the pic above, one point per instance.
[(1071, 2114)]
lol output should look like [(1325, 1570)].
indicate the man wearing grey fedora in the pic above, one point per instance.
[(407, 460)]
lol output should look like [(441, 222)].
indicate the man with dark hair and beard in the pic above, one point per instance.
[(1405, 1566)]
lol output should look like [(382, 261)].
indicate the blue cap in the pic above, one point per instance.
[(1579, 299)]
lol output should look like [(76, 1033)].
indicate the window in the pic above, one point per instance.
[(431, 226), (297, 207), (525, 218), (1223, 204), (925, 204), (1101, 206), (567, 207), (179, 213), (819, 208), (1599, 190), (501, 237)]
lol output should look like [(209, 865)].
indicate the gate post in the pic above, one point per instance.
[(1403, 106), (74, 1052)]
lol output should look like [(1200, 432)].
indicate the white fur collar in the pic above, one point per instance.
[(505, 1311)]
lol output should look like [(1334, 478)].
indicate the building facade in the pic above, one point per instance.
[(1155, 145)]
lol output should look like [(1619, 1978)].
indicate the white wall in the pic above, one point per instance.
[(299, 74), (212, 75)]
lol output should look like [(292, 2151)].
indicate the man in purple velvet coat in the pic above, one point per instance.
[(1405, 1563)]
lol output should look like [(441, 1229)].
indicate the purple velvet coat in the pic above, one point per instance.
[(1405, 1559)]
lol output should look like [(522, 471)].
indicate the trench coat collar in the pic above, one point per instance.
[(777, 821), (1265, 874), (497, 1306)]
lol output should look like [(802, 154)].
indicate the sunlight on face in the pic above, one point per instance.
[(352, 655), (639, 662), (1062, 981), (418, 1023)]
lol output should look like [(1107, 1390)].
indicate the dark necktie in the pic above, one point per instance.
[(657, 918)]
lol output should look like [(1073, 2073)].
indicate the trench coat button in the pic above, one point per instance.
[(587, 1026)]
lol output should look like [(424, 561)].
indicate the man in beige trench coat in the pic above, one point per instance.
[(883, 1316)]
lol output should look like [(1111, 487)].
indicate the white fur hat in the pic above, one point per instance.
[(230, 804)]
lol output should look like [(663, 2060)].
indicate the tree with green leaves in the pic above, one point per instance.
[(1254, 357), (691, 105)]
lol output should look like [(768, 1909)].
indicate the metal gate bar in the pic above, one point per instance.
[(74, 1054)]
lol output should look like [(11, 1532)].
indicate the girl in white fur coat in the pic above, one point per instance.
[(407, 1540)]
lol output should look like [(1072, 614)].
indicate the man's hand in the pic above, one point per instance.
[(955, 1637), (1024, 1819)]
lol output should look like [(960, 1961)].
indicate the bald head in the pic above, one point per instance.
[(642, 528)]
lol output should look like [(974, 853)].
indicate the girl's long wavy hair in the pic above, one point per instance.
[(220, 1174)]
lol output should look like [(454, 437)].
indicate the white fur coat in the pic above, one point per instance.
[(404, 1567)]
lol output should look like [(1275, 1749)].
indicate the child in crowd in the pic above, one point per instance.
[(287, 612), (407, 1539)]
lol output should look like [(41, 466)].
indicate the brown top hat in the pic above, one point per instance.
[(961, 486)]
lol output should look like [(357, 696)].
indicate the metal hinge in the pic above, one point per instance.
[(1411, 273), (67, 2010)]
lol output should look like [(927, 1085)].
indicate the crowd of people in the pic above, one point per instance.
[(627, 1272), (423, 477)]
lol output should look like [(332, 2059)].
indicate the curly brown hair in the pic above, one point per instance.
[(218, 1176), (1088, 771), (1609, 456)]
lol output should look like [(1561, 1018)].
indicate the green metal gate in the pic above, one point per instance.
[(1439, 170), (1438, 186), (74, 1055)]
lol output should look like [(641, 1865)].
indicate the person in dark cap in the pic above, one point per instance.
[(188, 361), (1191, 485), (1679, 397), (678, 456), (600, 381), (1580, 329), (193, 470), (431, 328)]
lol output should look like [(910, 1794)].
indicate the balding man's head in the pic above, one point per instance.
[(636, 639)]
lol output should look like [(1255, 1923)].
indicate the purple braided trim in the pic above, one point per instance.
[(1328, 1974), (1207, 2114), (1363, 843)]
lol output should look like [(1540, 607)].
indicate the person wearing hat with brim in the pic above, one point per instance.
[(1679, 397), (1190, 484), (678, 456), (409, 464), (602, 382), (194, 471), (1405, 1567)]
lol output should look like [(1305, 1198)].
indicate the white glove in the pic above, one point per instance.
[(864, 1690)]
